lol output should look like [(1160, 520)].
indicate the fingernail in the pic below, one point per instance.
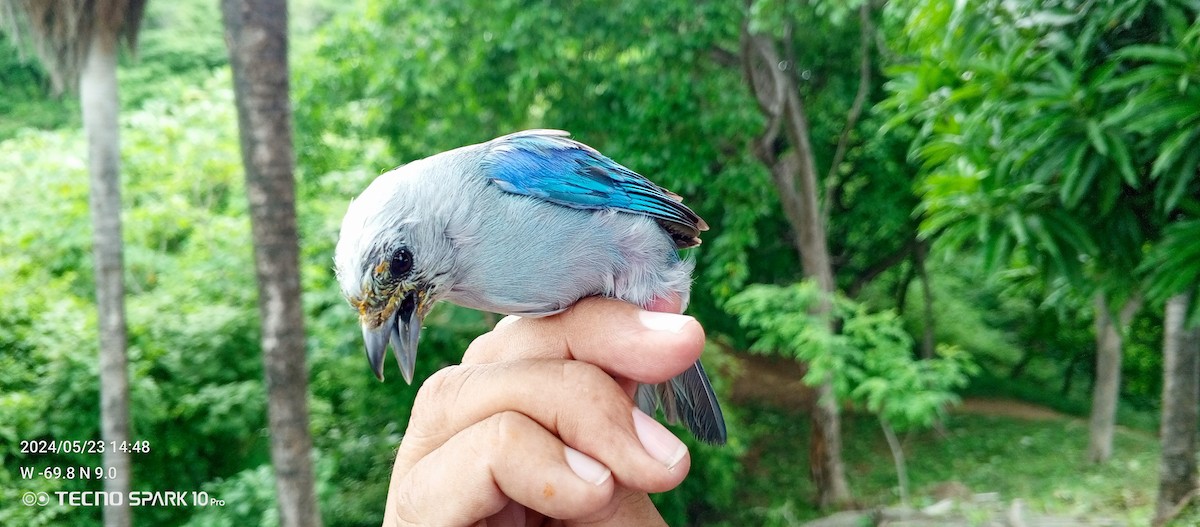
[(656, 321), (659, 442), (587, 468)]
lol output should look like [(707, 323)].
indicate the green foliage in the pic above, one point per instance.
[(191, 302), (179, 45), (249, 496), (24, 94), (1172, 263), (869, 361), (1059, 134), (1165, 105)]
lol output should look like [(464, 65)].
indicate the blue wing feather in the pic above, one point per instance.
[(547, 164)]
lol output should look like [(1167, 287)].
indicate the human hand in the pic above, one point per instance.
[(538, 423)]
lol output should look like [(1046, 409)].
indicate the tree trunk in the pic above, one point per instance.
[(928, 342), (1068, 374), (795, 179), (1106, 387), (906, 279), (1181, 395), (98, 98), (897, 458), (1026, 357), (256, 34)]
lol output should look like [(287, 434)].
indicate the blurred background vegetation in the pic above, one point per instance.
[(1010, 161)]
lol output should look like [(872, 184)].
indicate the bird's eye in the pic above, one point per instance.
[(401, 263)]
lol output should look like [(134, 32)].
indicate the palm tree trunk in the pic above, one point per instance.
[(1181, 396), (256, 34), (98, 98)]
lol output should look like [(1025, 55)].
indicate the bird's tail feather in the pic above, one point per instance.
[(687, 398)]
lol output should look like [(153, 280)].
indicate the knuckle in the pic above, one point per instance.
[(481, 349), (438, 394), (406, 505), (605, 399), (505, 428), (408, 502), (445, 380), (582, 375)]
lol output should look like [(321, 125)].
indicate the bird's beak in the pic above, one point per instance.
[(402, 329)]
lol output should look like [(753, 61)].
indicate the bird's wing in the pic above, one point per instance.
[(547, 164)]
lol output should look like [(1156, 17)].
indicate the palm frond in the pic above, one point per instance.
[(61, 32)]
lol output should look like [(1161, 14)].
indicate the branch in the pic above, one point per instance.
[(724, 57), (766, 86), (833, 197), (866, 30), (768, 89), (791, 66), (879, 266)]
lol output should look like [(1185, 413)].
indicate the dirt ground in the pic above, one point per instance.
[(777, 381)]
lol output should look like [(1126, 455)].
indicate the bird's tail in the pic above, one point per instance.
[(687, 398)]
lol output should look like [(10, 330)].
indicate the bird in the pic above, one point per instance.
[(525, 224)]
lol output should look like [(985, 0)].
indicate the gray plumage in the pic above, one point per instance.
[(526, 224)]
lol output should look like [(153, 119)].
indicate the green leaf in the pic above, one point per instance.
[(1120, 156), (1096, 136), (1173, 264), (1185, 139), (1152, 53), (1156, 118), (1017, 225), (1185, 176), (1088, 173), (1143, 75), (1073, 182)]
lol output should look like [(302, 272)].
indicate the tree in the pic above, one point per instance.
[(78, 42), (1165, 111), (794, 176), (256, 34), (773, 82), (1181, 397), (1046, 143)]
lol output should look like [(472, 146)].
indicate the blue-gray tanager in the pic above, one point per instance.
[(526, 224)]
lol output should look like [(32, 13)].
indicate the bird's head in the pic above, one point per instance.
[(392, 261)]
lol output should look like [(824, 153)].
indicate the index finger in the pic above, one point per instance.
[(625, 341)]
